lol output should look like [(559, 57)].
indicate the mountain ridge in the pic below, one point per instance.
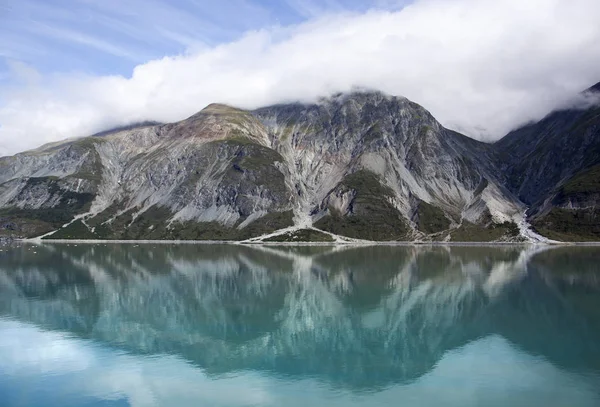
[(363, 165)]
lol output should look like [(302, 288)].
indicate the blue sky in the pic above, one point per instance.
[(113, 36), (70, 68)]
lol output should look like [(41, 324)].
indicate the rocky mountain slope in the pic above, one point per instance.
[(352, 166), (554, 168), (363, 165)]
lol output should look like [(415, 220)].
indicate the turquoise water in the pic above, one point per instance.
[(218, 325)]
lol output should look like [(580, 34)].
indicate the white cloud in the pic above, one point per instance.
[(480, 66), (582, 101)]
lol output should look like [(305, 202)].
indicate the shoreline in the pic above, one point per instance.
[(262, 243)]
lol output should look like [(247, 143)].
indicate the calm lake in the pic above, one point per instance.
[(225, 325)]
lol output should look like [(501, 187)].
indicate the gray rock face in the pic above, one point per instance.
[(539, 157), (363, 160), (399, 142)]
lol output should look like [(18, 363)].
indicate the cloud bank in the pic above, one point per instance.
[(481, 67)]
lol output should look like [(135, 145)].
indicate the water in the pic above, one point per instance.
[(218, 325)]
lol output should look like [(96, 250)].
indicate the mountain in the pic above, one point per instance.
[(363, 165), (553, 166)]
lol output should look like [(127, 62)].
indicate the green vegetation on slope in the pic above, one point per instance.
[(372, 216), (570, 225), (17, 227), (575, 216), (431, 219), (583, 183), (153, 224), (470, 232), (76, 230), (28, 222)]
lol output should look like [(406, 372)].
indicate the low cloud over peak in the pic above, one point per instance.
[(480, 66)]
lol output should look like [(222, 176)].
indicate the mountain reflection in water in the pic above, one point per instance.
[(358, 321)]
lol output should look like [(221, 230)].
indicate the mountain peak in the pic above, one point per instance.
[(220, 112), (355, 94), (220, 108), (595, 88)]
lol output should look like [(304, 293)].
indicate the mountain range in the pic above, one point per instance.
[(360, 166)]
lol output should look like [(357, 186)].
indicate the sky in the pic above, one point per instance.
[(70, 68)]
